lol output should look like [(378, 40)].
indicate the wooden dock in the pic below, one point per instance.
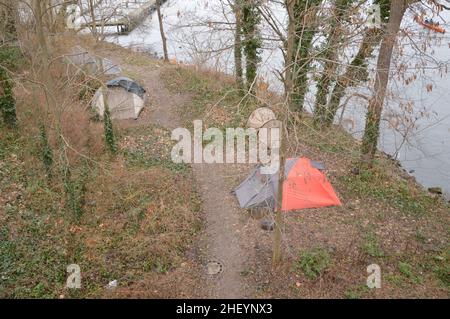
[(123, 26), (128, 23)]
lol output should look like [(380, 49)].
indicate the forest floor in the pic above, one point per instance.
[(157, 236)]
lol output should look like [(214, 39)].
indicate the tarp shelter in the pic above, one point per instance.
[(125, 99), (305, 187), (92, 64)]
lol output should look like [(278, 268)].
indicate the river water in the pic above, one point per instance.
[(416, 121)]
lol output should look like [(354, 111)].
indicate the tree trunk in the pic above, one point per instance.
[(238, 44), (161, 30), (304, 15), (288, 78), (60, 20), (49, 15), (40, 30), (373, 118), (357, 70), (93, 19), (355, 73), (252, 44), (330, 67)]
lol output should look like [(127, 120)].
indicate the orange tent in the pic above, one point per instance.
[(305, 187)]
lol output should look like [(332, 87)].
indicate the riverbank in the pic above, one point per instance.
[(154, 226), (424, 153), (386, 218)]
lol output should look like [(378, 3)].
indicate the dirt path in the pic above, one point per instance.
[(222, 240)]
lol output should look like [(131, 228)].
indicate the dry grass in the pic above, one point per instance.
[(137, 222), (386, 218), (141, 214), (137, 218)]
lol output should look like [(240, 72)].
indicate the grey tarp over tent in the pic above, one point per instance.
[(128, 84), (125, 98), (259, 190)]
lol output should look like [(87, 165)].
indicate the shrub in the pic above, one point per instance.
[(46, 151), (110, 138), (313, 262), (7, 101)]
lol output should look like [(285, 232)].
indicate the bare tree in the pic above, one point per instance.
[(306, 27), (330, 56), (373, 117), (252, 40), (40, 32), (93, 24), (237, 9), (161, 29), (356, 71)]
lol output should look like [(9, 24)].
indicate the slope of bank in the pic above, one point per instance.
[(128, 219), (153, 226), (386, 218)]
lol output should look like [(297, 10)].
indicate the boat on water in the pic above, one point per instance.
[(430, 25)]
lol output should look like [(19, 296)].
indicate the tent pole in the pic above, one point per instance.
[(277, 254)]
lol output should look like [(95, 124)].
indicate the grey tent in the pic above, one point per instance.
[(306, 187), (125, 99), (259, 190), (92, 64)]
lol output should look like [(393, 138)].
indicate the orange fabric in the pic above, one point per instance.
[(430, 26), (307, 187)]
